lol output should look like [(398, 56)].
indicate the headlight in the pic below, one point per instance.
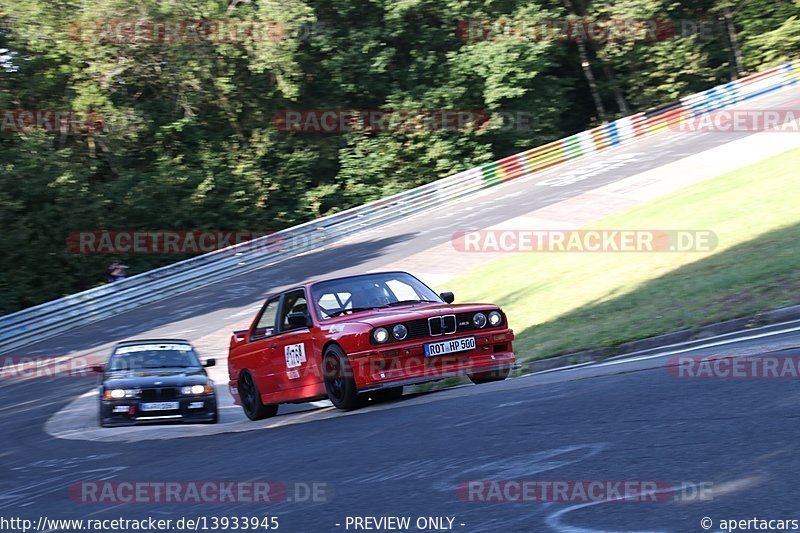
[(399, 332), (380, 335), (479, 320), (495, 318), (118, 394), (197, 389)]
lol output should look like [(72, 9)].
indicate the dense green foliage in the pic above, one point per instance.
[(189, 140)]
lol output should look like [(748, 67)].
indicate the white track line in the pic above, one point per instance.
[(626, 358), (701, 347)]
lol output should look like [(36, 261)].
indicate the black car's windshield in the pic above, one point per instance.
[(370, 291), (148, 356)]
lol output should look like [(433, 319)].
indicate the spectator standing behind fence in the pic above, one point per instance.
[(116, 271)]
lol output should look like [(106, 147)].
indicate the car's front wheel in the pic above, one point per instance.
[(250, 398), (488, 377), (339, 382), (215, 416)]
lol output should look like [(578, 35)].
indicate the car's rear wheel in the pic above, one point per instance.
[(339, 382), (488, 377), (250, 398)]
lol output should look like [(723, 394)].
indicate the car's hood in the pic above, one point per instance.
[(156, 377), (393, 315)]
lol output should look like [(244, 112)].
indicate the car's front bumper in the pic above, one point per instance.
[(127, 411), (401, 364), (435, 377)]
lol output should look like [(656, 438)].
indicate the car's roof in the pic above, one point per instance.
[(309, 284), (152, 341), (341, 278)]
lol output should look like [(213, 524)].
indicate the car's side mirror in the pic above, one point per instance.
[(298, 319), (98, 369), (210, 362), (448, 297)]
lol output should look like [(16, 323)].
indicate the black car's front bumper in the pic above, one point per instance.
[(128, 411)]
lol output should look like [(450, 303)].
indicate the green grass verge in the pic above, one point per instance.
[(564, 302)]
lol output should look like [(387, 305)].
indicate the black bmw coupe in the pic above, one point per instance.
[(159, 380)]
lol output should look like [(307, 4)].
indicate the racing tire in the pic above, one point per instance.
[(339, 382), (488, 377), (250, 398)]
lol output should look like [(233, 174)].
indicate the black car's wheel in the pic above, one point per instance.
[(100, 418), (338, 378), (251, 399), (215, 416), (488, 377), (386, 395)]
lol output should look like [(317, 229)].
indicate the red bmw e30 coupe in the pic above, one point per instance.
[(362, 336)]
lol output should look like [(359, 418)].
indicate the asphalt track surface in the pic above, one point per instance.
[(628, 420)]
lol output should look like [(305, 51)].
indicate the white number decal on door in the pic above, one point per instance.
[(295, 355)]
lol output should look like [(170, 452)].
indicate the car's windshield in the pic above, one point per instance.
[(144, 356), (359, 293)]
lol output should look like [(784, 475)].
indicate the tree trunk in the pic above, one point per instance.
[(587, 69), (738, 61), (621, 102)]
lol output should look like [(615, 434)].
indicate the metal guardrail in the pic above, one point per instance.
[(58, 316)]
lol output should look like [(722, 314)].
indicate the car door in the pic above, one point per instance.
[(301, 368), (261, 358)]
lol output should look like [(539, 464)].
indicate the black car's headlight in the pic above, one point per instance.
[(195, 390), (119, 394), (495, 318), (380, 335)]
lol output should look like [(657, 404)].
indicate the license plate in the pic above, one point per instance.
[(159, 406), (433, 349)]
